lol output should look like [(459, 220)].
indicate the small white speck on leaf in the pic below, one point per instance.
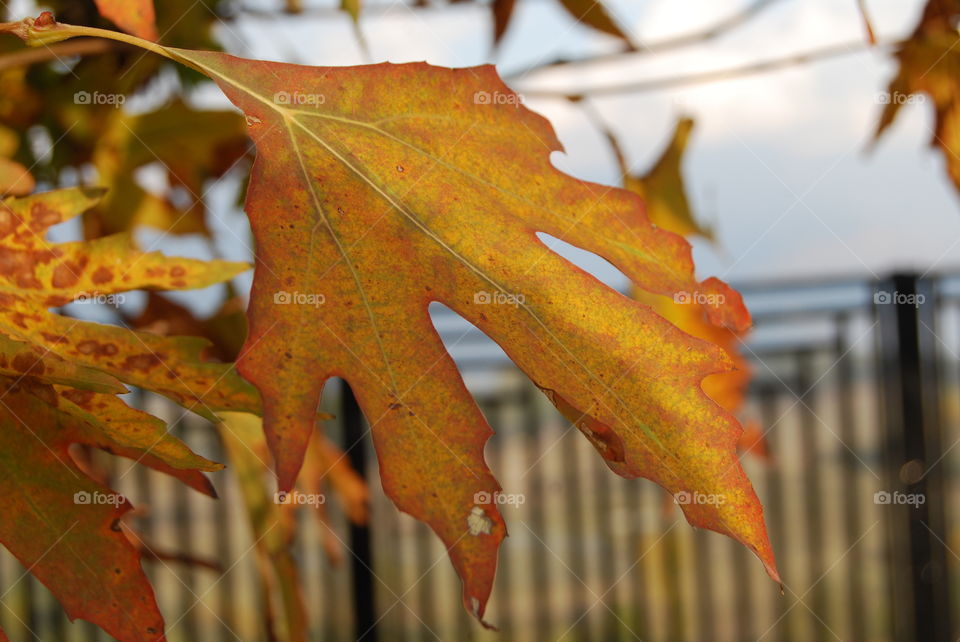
[(478, 522)]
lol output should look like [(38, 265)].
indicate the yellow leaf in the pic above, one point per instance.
[(929, 62), (36, 275), (664, 190)]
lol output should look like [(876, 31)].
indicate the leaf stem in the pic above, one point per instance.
[(70, 31), (43, 31)]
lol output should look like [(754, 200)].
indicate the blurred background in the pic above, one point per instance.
[(750, 126)]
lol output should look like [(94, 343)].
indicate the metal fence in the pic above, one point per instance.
[(857, 384)]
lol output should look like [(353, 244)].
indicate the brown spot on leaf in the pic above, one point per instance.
[(82, 398), (20, 265), (177, 270), (20, 319), (43, 216), (25, 362), (56, 301), (141, 361), (29, 282), (87, 347), (66, 275), (8, 221), (102, 275), (42, 391)]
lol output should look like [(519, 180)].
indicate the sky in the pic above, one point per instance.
[(779, 163)]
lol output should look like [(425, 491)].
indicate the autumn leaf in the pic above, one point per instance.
[(63, 526), (867, 24), (662, 187), (18, 359), (15, 179), (326, 464), (272, 525), (352, 7), (594, 14), (36, 275), (192, 146), (274, 522), (137, 435), (380, 189), (929, 65), (347, 179), (753, 441), (133, 16), (502, 11), (58, 377)]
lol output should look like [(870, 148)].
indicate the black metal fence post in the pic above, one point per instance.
[(905, 308), (354, 436)]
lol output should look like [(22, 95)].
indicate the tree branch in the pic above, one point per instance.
[(712, 32), (656, 84), (57, 51)]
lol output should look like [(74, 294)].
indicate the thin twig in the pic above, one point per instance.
[(56, 51), (712, 32), (657, 84)]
